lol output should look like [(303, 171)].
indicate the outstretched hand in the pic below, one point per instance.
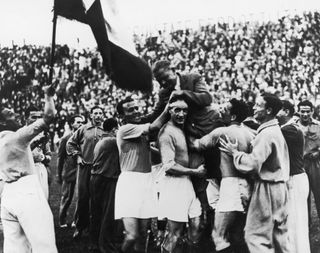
[(227, 146)]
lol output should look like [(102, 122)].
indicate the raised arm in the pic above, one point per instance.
[(26, 134), (49, 108), (207, 141)]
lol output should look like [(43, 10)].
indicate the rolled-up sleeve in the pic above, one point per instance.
[(26, 134)]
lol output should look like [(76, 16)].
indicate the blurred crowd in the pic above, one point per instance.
[(237, 60)]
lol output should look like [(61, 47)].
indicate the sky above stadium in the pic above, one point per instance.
[(29, 21)]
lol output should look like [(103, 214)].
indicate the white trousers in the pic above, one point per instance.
[(298, 213), (43, 178), (26, 217)]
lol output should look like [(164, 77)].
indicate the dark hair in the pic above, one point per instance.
[(159, 65), (176, 98), (250, 106), (121, 103), (96, 107), (272, 102), (305, 103), (2, 118), (287, 105), (31, 108), (110, 124), (73, 118), (239, 109)]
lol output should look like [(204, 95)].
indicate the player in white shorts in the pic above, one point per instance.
[(235, 190), (135, 198), (178, 202)]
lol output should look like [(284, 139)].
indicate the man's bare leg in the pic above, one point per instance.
[(131, 226), (172, 242)]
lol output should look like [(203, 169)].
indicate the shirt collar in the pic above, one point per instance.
[(90, 125), (312, 121), (273, 122)]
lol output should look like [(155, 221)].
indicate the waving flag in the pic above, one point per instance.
[(122, 63)]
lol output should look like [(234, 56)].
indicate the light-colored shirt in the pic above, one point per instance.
[(269, 157), (173, 146), (134, 149), (16, 158), (234, 132)]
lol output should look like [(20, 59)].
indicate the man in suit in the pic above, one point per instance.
[(67, 171), (201, 120)]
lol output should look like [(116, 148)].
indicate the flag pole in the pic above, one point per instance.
[(53, 45)]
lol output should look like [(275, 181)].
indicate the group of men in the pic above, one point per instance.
[(252, 183)]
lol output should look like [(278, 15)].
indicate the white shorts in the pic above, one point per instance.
[(234, 195), (177, 201), (213, 192), (135, 196)]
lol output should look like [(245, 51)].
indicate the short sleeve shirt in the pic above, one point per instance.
[(134, 149)]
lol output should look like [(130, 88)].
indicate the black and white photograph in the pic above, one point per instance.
[(144, 126)]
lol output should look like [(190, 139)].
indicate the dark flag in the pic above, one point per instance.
[(122, 63)]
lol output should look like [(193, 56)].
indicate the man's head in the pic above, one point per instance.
[(9, 120), (234, 111), (178, 110), (286, 112), (96, 115), (305, 109), (164, 74), (110, 124), (76, 121), (267, 107), (128, 109)]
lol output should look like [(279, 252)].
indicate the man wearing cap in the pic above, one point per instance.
[(23, 200)]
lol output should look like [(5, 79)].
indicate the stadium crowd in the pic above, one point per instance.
[(257, 166), (237, 60)]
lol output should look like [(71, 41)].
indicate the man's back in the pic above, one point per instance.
[(106, 157), (295, 140), (244, 137)]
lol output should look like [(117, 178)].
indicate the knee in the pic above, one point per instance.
[(131, 236), (194, 236)]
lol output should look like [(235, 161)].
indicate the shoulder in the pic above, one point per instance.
[(190, 77), (290, 128), (133, 130), (167, 131)]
